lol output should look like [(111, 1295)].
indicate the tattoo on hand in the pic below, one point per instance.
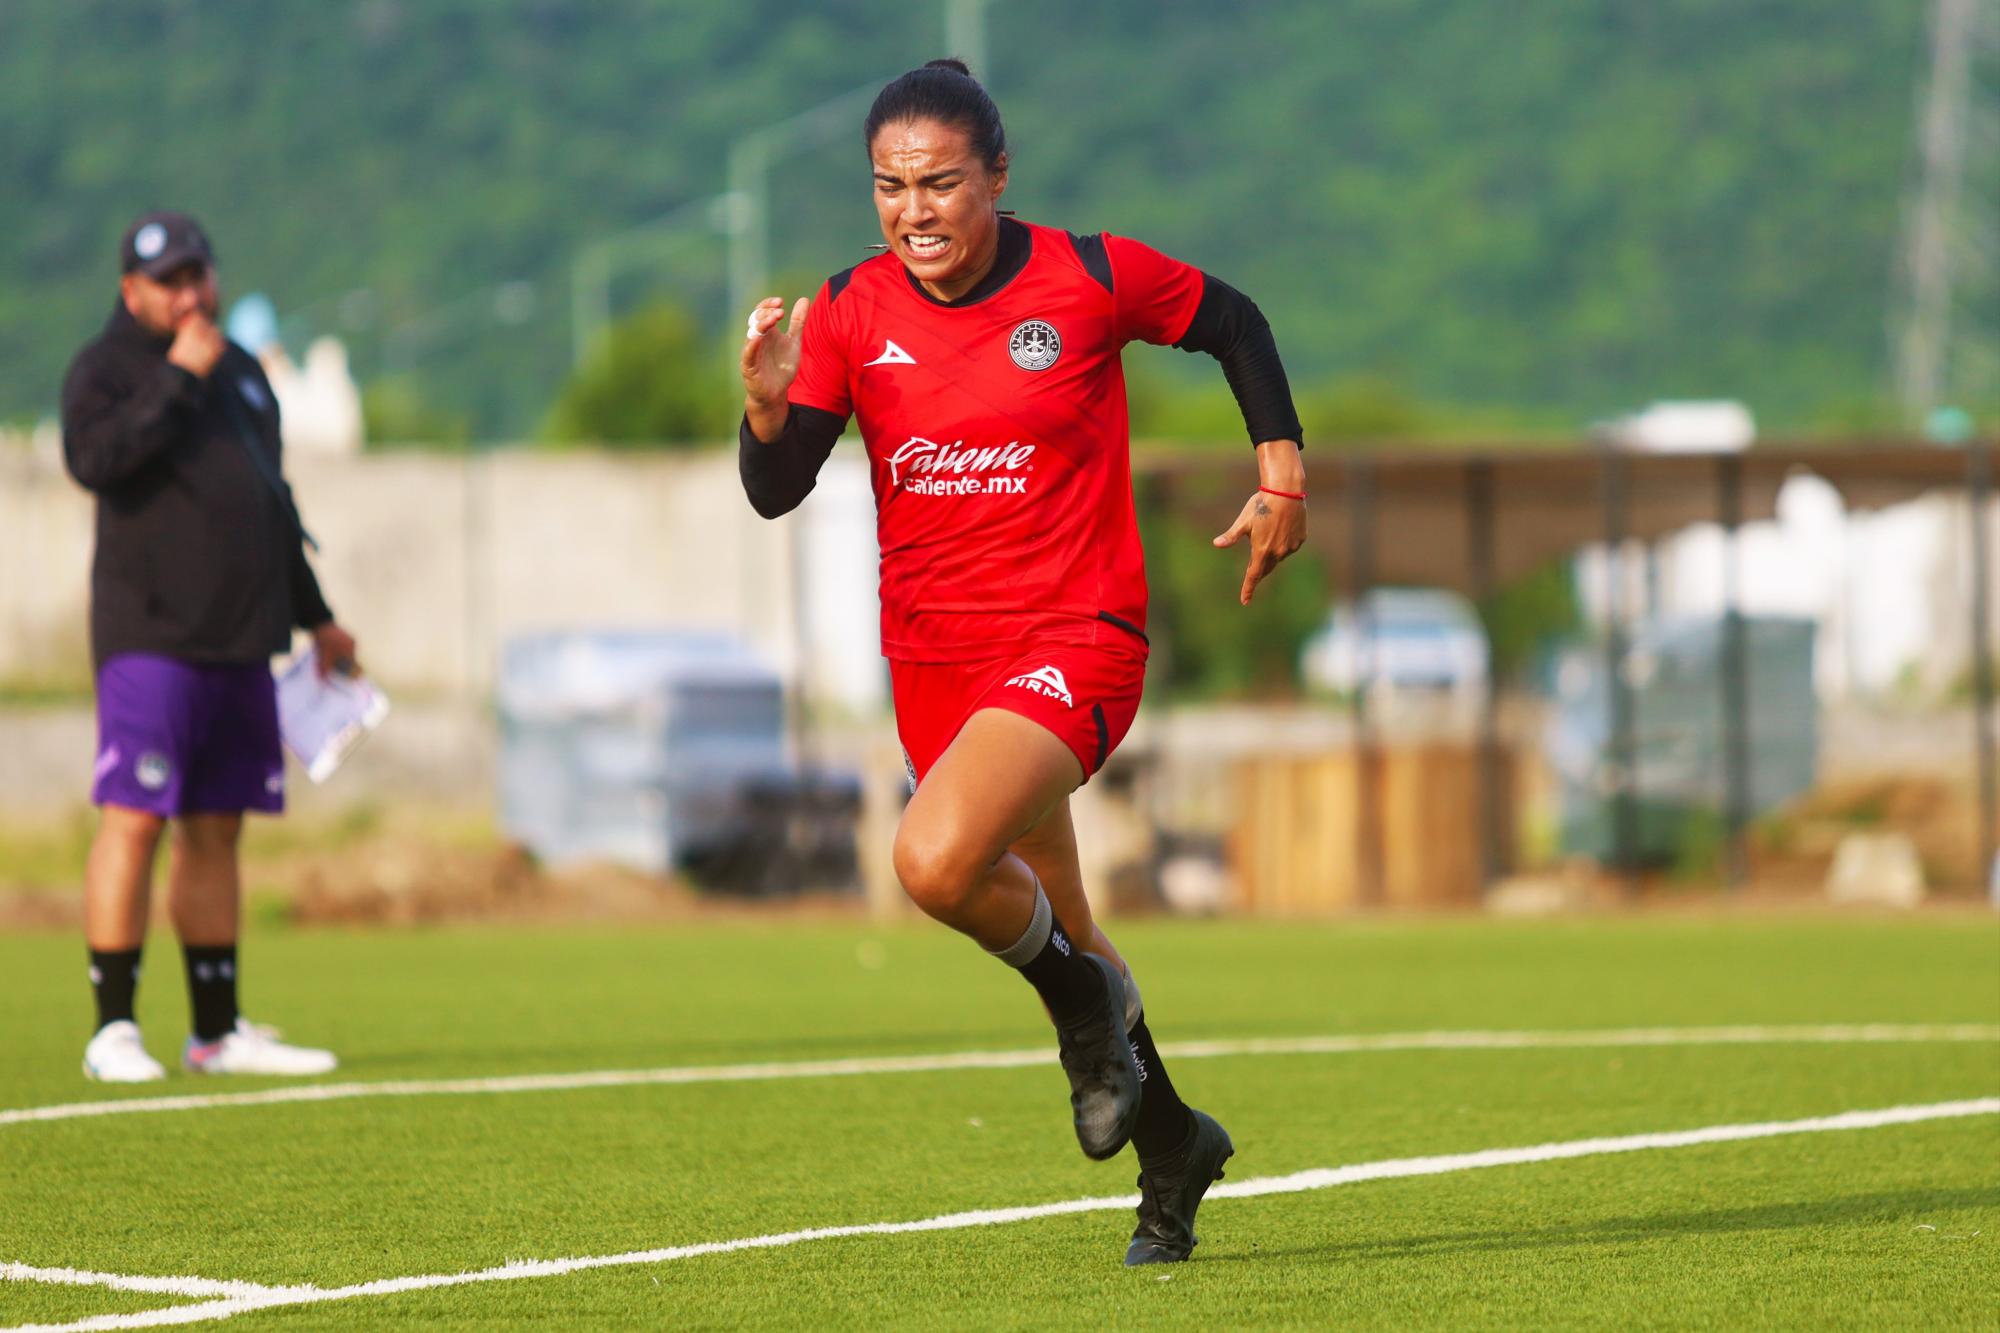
[(1262, 509)]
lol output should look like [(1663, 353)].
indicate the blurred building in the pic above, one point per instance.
[(1887, 589), (318, 401)]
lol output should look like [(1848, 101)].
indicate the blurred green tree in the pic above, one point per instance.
[(1528, 615), (1687, 198), (395, 414), (1352, 409), (1362, 408), (1205, 643), (651, 380)]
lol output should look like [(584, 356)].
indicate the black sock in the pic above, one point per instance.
[(211, 973), (1163, 1117), (114, 976), (1069, 985)]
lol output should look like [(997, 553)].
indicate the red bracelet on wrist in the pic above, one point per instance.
[(1289, 495)]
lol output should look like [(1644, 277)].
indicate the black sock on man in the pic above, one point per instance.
[(114, 978), (211, 973), (1164, 1121), (1070, 986)]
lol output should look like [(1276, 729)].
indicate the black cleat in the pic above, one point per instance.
[(1103, 1075), (1170, 1189)]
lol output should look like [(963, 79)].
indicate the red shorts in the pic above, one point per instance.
[(1086, 694)]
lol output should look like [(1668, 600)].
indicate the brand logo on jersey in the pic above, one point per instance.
[(1034, 344), (253, 394), (918, 465), (892, 355), (1047, 682)]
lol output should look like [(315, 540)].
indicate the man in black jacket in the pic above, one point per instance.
[(199, 577)]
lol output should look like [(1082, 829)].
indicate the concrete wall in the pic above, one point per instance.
[(45, 541), (434, 561)]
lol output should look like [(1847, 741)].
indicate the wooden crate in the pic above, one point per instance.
[(1297, 838), (1292, 850)]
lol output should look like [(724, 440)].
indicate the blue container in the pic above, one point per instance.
[(634, 746), (1674, 669)]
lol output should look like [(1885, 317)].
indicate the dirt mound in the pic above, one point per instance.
[(401, 878), (35, 909), (1796, 846), (403, 882)]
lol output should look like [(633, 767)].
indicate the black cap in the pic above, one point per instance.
[(157, 243)]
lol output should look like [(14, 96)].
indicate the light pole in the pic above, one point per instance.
[(591, 269), (750, 161), (965, 33), (348, 312), (510, 302)]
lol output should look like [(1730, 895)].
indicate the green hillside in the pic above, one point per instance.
[(1551, 211)]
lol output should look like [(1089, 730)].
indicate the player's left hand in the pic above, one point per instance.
[(335, 649), (1275, 525)]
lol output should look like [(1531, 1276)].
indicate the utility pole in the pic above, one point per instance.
[(965, 34), (1931, 219)]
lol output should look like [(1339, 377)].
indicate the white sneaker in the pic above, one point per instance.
[(116, 1055), (254, 1049)]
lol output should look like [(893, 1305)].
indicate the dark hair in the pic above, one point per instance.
[(946, 92)]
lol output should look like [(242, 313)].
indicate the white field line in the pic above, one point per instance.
[(940, 1063), (1323, 1178), (166, 1286)]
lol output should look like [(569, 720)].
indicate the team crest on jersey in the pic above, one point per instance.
[(1034, 344), (1048, 682), (154, 770)]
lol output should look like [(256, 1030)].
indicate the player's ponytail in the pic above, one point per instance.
[(943, 91)]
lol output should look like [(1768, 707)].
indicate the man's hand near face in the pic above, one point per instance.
[(198, 345)]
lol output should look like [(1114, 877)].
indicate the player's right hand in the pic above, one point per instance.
[(770, 362), (197, 346)]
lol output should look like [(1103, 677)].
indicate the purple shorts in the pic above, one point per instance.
[(178, 738)]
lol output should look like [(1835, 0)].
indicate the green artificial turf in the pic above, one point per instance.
[(1865, 1228)]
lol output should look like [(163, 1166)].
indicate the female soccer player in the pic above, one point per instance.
[(981, 355)]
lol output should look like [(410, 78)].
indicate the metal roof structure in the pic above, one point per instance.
[(1475, 518), (1469, 519)]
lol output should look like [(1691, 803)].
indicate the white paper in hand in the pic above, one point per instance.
[(323, 720)]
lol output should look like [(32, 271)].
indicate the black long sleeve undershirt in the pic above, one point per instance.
[(1229, 327), (779, 474)]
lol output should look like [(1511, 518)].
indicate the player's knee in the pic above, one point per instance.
[(209, 835), (935, 873), (137, 829)]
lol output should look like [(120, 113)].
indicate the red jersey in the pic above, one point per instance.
[(997, 437)]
